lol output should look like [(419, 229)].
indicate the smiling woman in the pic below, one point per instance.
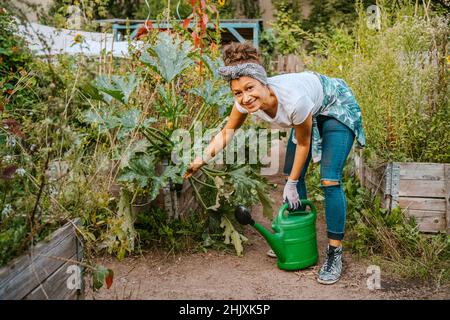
[(248, 79), (325, 119)]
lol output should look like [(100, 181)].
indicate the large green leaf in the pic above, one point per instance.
[(140, 170), (175, 173), (214, 95), (170, 107), (232, 236), (138, 146), (250, 189), (213, 65), (91, 92), (169, 57), (102, 118), (117, 87), (129, 121)]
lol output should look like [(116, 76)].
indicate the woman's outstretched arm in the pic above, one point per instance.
[(219, 142)]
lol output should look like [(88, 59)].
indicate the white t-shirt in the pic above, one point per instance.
[(298, 94)]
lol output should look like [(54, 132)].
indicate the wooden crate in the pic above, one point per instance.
[(42, 272), (177, 200), (420, 189)]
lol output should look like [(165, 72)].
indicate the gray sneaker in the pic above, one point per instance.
[(271, 253), (331, 270)]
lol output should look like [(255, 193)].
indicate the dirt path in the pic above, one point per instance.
[(217, 275)]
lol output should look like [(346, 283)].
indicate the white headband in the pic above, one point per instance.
[(249, 69)]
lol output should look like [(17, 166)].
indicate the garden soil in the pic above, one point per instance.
[(225, 276)]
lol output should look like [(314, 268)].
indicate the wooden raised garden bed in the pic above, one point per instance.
[(177, 199), (421, 190), (43, 272)]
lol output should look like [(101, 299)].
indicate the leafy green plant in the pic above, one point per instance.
[(41, 188), (54, 167), (144, 143), (400, 79), (288, 29), (212, 95), (169, 57), (395, 239), (15, 62), (117, 87), (155, 228), (268, 43), (60, 12), (327, 15)]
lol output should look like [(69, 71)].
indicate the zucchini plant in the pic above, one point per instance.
[(141, 130)]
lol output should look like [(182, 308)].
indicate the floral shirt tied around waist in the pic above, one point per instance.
[(339, 103)]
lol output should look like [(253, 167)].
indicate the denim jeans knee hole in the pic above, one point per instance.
[(333, 183)]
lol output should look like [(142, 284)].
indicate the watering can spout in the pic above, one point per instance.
[(294, 238), (275, 240)]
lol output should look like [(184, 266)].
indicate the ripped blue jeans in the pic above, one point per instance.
[(337, 141)]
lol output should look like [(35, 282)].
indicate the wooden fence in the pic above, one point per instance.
[(287, 64)]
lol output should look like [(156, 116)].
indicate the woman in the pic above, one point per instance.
[(325, 118)]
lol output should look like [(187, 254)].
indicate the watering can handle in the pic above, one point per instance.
[(285, 206)]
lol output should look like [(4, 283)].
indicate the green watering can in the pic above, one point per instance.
[(294, 241)]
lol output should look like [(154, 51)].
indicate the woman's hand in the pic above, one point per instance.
[(290, 194), (194, 166)]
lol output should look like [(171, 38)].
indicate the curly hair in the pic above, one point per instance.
[(237, 53)]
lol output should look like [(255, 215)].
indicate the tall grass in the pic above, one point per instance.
[(399, 75)]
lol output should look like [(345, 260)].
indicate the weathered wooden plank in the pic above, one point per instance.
[(374, 188), (359, 166), (428, 221), (421, 171), (188, 203), (80, 258), (20, 263), (447, 195), (373, 175), (425, 226), (55, 286), (429, 204), (429, 224), (422, 188), (38, 270), (376, 177), (31, 269), (425, 214)]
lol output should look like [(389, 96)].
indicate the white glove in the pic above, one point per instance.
[(290, 194)]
